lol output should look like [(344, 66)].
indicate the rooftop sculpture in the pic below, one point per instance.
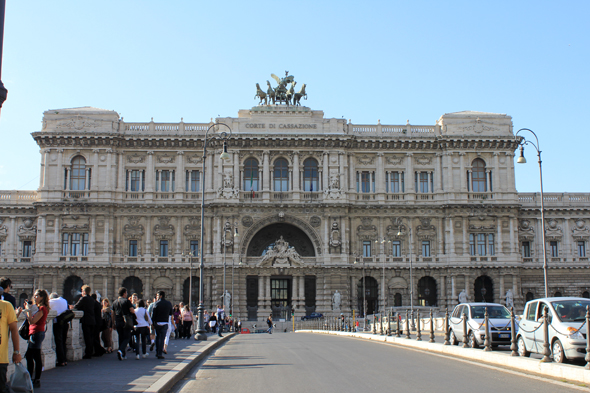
[(281, 93)]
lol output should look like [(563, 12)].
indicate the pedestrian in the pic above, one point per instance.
[(142, 330), (37, 335), (176, 315), (152, 328), (88, 321), (8, 323), (213, 322), (161, 313), (269, 323), (220, 320), (187, 321), (122, 308), (206, 317), (169, 332), (6, 285), (60, 330), (108, 323), (98, 349)]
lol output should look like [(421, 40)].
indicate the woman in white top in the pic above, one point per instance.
[(142, 329), (171, 329)]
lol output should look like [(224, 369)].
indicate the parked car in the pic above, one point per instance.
[(313, 315), (499, 319), (566, 316)]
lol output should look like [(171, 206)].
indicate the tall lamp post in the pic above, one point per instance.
[(226, 229), (3, 91), (231, 307), (399, 233), (224, 136), (521, 160), (382, 241), (356, 261)]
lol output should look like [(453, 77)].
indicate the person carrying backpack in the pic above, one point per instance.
[(269, 323)]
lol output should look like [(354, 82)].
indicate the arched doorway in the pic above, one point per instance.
[(72, 290), (586, 294), (268, 235), (427, 292), (397, 300), (371, 296), (133, 285), (483, 289), (195, 292), (529, 296)]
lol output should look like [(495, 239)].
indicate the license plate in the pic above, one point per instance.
[(504, 335)]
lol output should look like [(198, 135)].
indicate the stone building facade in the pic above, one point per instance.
[(303, 209)]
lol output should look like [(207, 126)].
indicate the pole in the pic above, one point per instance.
[(3, 91), (364, 298), (411, 282), (224, 248)]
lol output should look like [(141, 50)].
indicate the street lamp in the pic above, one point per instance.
[(231, 311), (224, 136), (399, 233), (383, 276), (190, 255), (3, 91), (521, 160), (356, 260), (226, 229)]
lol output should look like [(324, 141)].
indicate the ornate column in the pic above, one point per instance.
[(92, 237), (501, 288), (105, 286), (261, 298), (180, 178), (326, 171), (467, 284), (380, 175), (121, 178), (67, 187), (443, 289), (511, 243), (236, 159), (453, 290), (267, 295), (437, 172), (56, 245), (150, 172), (148, 237), (341, 175), (106, 236), (178, 248), (178, 284), (463, 176), (41, 236), (60, 170), (296, 172), (265, 171), (109, 184), (210, 170), (410, 177), (465, 245), (44, 167), (351, 173), (302, 292)]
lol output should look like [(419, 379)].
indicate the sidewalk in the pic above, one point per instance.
[(108, 374)]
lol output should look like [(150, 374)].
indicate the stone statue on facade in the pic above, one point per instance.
[(226, 298), (336, 299), (281, 254), (281, 93), (462, 297), (260, 94), (509, 299), (228, 190), (335, 235), (334, 191)]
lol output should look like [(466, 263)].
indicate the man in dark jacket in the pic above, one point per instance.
[(122, 307), (6, 284), (98, 349), (86, 304), (161, 312)]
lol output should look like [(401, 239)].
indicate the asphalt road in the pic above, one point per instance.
[(319, 363)]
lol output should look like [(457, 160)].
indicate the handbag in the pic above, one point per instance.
[(20, 381), (128, 322), (23, 330)]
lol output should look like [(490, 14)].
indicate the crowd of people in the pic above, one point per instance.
[(140, 324)]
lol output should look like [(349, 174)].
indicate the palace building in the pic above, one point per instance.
[(307, 213)]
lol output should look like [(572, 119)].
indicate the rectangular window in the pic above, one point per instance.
[(491, 248), (27, 248), (135, 177), (481, 244), (84, 244), (65, 241), (75, 244), (357, 182), (554, 250), (193, 178), (195, 247), (163, 248), (526, 249), (365, 181), (581, 249), (426, 248), (471, 244), (366, 248), (165, 181), (423, 182), (395, 181), (132, 248), (0, 249), (396, 249)]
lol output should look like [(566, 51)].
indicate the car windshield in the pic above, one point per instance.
[(493, 312), (571, 310)]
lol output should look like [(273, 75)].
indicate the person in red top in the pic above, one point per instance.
[(37, 334)]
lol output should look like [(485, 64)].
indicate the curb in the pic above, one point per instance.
[(169, 379), (503, 359)]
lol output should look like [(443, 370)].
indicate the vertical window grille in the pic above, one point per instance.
[(251, 175), (164, 181), (132, 248), (581, 249), (481, 244), (157, 181), (426, 248), (491, 248), (65, 241), (396, 248), (395, 181), (135, 180), (471, 244), (554, 249), (194, 247), (526, 249), (75, 244), (84, 244), (366, 248), (310, 175), (163, 248), (366, 181), (478, 175), (423, 182), (357, 182), (27, 248), (78, 174), (281, 175), (373, 181)]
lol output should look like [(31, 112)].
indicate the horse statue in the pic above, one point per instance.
[(291, 92), (281, 90), (297, 96), (271, 93), (261, 95)]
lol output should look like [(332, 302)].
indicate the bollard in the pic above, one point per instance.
[(381, 324), (407, 324), (419, 333), (587, 359), (374, 324), (546, 351), (487, 342), (398, 321), (465, 330), (389, 323), (513, 347), (431, 328), (447, 330)]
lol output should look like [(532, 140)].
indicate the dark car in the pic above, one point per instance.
[(313, 315)]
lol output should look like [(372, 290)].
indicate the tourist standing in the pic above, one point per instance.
[(177, 315), (269, 323), (108, 322), (8, 323), (37, 335), (122, 307), (213, 322), (98, 349), (86, 304), (6, 285), (220, 320), (161, 313), (187, 321), (142, 330), (60, 330)]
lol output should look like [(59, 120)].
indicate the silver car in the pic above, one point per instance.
[(566, 317), (498, 317)]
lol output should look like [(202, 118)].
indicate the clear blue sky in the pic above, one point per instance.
[(387, 60)]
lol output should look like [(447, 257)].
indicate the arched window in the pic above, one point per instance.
[(427, 295), (78, 174), (281, 175), (310, 175), (478, 176), (251, 175)]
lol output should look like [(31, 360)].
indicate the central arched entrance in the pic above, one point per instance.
[(483, 289), (371, 296), (268, 235), (72, 289), (133, 285)]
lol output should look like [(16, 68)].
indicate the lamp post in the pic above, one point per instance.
[(231, 307), (190, 255), (224, 136), (226, 229), (356, 260), (383, 276), (521, 160), (3, 91), (399, 233)]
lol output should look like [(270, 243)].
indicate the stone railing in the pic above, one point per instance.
[(165, 128), (392, 130), (74, 343), (553, 199), (17, 197)]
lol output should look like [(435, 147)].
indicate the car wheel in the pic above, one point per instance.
[(557, 351), (453, 338), (522, 351), (473, 341)]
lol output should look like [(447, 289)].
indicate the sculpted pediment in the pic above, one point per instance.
[(281, 255)]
